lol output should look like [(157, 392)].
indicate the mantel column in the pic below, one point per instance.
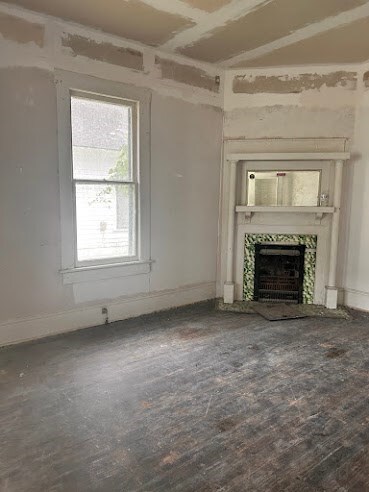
[(228, 292), (331, 289)]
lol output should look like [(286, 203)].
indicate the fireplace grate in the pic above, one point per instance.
[(279, 272)]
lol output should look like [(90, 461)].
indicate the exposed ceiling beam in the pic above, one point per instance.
[(299, 35), (229, 12)]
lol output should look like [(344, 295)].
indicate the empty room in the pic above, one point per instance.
[(184, 248)]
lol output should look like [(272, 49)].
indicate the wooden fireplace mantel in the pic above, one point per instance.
[(249, 210), (233, 160)]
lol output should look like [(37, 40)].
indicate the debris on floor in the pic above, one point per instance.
[(335, 352), (278, 311), (310, 310), (245, 307), (316, 311)]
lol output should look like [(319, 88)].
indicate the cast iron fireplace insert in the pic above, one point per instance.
[(279, 273)]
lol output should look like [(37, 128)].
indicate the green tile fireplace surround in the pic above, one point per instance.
[(310, 241)]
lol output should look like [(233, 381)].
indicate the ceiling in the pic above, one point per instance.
[(230, 33)]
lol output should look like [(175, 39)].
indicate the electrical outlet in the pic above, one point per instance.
[(104, 312)]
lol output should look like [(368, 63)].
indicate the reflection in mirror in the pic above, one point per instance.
[(283, 188)]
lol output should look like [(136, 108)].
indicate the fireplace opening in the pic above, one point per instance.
[(279, 273)]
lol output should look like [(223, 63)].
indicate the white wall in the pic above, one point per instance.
[(186, 139), (356, 219)]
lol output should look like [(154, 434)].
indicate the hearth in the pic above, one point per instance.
[(279, 273)]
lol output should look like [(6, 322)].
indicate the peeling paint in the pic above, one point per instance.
[(285, 84), (186, 74), (105, 52), (20, 30)]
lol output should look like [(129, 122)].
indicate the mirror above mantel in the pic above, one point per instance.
[(283, 188), (285, 183)]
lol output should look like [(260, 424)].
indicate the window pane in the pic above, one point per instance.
[(283, 188), (106, 222), (101, 140)]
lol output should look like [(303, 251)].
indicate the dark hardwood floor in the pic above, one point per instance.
[(189, 400)]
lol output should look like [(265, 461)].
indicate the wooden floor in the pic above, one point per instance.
[(190, 400)]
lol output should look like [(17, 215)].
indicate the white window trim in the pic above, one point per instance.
[(134, 105), (66, 83)]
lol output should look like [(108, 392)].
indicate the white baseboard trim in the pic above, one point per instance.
[(25, 329), (356, 299)]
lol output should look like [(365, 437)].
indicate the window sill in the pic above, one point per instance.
[(104, 272)]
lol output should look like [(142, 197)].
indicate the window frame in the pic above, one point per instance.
[(71, 84), (134, 105)]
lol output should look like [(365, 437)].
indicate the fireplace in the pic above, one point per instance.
[(279, 273)]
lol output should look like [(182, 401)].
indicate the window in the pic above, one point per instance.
[(104, 174), (283, 188), (104, 154)]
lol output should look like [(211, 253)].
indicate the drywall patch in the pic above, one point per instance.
[(105, 52), (19, 30), (186, 74), (131, 19), (345, 44), (285, 84), (278, 18)]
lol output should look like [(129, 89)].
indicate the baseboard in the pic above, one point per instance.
[(22, 330), (356, 299)]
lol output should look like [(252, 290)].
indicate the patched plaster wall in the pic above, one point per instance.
[(20, 30), (291, 108), (186, 140), (35, 40), (190, 113), (292, 84), (227, 32)]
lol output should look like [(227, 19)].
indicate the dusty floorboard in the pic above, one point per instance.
[(191, 400)]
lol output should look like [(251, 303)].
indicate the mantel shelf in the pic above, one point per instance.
[(289, 156), (318, 211), (295, 210)]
